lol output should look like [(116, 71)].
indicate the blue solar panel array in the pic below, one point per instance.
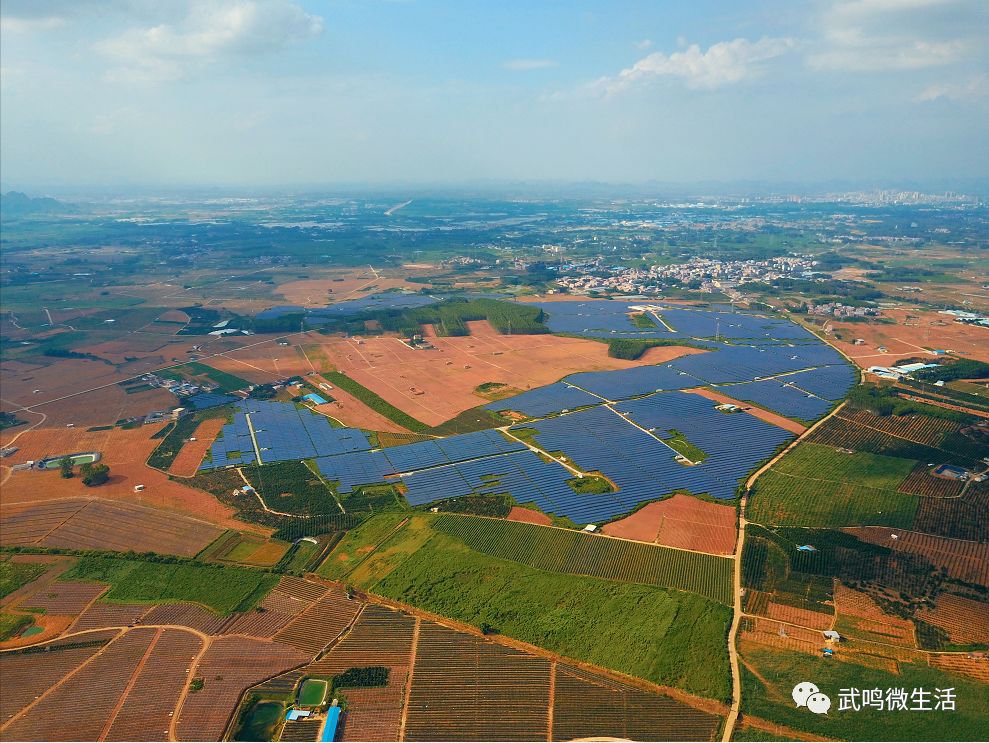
[(829, 382), (354, 469), (623, 444), (205, 400), (282, 432), (610, 318), (545, 400), (781, 396), (373, 302)]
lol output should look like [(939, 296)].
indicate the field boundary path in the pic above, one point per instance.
[(737, 615)]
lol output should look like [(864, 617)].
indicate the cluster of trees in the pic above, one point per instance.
[(93, 474)]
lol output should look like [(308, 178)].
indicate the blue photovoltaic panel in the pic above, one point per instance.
[(830, 382), (205, 400), (778, 395), (545, 400), (373, 302), (282, 432)]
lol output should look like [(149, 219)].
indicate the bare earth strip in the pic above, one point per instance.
[(760, 413)]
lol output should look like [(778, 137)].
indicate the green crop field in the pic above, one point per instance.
[(820, 462), (784, 669), (564, 551), (374, 401), (781, 500), (220, 589), (664, 635), (816, 485), (13, 575), (346, 554)]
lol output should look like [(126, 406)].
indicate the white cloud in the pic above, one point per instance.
[(973, 89), (208, 32), (528, 64), (725, 63), (644, 44), (879, 35)]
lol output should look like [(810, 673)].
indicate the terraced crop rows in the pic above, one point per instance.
[(565, 551), (147, 711), (101, 684), (463, 689), (589, 706), (322, 623), (231, 665)]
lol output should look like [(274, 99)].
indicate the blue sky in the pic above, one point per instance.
[(264, 93)]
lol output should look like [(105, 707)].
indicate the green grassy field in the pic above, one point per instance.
[(13, 575), (815, 485), (572, 552), (221, 589), (663, 635), (822, 462), (348, 553), (312, 693), (11, 624), (780, 500), (785, 669)]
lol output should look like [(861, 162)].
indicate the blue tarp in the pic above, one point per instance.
[(330, 728)]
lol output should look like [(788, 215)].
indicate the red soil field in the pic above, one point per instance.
[(231, 665), (192, 452), (967, 561), (966, 621), (796, 615), (52, 625), (976, 668), (753, 410), (322, 623), (73, 376), (64, 597), (398, 373), (681, 521), (27, 676), (861, 617), (928, 330), (125, 451), (316, 292), (95, 524), (528, 516)]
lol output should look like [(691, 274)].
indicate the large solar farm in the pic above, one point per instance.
[(617, 424)]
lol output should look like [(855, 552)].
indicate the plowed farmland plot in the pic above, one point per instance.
[(966, 621), (528, 516), (860, 617), (921, 482), (28, 675), (967, 561), (374, 714), (100, 615), (302, 730), (976, 668), (590, 706), (322, 623), (91, 694), (796, 615), (564, 551), (966, 517), (127, 527), (256, 623), (147, 711), (185, 615), (64, 598), (463, 686), (919, 428), (380, 637), (20, 525), (680, 521), (231, 665), (191, 454)]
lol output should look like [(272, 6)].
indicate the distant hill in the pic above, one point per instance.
[(16, 204)]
